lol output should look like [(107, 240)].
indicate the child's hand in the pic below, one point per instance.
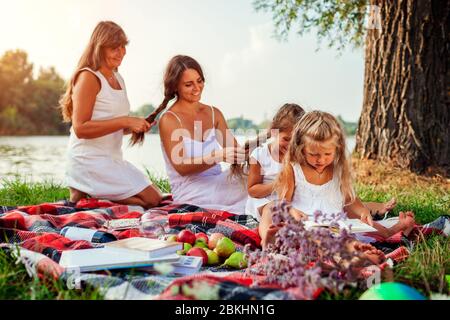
[(366, 217), (269, 237), (298, 215)]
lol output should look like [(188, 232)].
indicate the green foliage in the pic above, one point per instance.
[(349, 127), (241, 123), (160, 181), (427, 204), (29, 105), (339, 22), (22, 192), (143, 111), (16, 284), (246, 124), (426, 267), (424, 270)]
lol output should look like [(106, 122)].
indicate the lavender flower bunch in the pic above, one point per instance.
[(307, 259)]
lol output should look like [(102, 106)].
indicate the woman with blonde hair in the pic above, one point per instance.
[(96, 103)]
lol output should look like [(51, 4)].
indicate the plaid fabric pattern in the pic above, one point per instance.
[(36, 230)]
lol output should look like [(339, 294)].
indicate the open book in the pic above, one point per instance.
[(352, 225), (105, 258), (146, 247), (389, 222)]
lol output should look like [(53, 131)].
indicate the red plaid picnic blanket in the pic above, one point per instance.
[(37, 229)]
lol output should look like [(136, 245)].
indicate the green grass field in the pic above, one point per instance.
[(425, 269)]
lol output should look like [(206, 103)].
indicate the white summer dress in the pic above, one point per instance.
[(96, 166), (210, 189), (309, 197), (269, 170)]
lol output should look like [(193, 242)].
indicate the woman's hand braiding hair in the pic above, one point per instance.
[(138, 137), (237, 170)]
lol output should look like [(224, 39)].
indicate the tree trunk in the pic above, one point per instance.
[(405, 118)]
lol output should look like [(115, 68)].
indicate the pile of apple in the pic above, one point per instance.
[(213, 249)]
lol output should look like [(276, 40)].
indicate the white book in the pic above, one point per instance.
[(389, 222), (357, 226), (105, 259), (186, 265), (151, 248)]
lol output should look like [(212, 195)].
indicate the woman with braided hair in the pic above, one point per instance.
[(195, 140)]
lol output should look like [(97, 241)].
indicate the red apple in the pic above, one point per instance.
[(213, 238), (198, 252), (186, 236), (203, 236)]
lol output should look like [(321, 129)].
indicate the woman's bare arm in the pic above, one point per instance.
[(85, 91)]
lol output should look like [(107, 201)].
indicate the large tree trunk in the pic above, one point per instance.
[(405, 117)]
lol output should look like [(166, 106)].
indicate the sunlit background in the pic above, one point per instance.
[(249, 72)]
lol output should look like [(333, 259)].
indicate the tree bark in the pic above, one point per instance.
[(405, 118)]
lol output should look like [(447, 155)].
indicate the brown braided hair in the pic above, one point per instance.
[(174, 70)]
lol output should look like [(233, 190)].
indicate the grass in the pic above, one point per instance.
[(425, 269), (15, 283)]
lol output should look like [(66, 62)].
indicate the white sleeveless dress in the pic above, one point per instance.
[(96, 166), (210, 189), (309, 197), (269, 169)]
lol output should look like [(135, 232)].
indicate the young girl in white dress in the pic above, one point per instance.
[(266, 163), (316, 175)]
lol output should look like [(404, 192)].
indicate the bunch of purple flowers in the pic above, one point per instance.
[(308, 258)]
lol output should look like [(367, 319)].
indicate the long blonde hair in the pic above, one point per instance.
[(316, 127), (106, 34)]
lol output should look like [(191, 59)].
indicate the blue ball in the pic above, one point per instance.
[(391, 291)]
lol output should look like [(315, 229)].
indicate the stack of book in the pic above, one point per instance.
[(134, 252)]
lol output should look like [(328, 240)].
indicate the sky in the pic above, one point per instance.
[(248, 72)]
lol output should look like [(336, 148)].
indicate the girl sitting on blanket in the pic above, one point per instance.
[(316, 175), (266, 163)]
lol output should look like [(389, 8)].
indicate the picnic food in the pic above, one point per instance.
[(186, 248), (225, 247), (213, 258), (236, 260), (172, 238), (213, 238), (186, 236), (200, 243), (201, 236), (198, 252)]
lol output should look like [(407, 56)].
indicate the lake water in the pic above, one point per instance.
[(43, 158)]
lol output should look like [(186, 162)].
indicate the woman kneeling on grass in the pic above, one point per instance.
[(96, 103), (316, 176)]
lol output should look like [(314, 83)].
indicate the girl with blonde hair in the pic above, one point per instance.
[(96, 103), (316, 176)]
